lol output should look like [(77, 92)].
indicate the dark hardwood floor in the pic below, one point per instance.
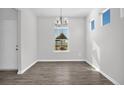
[(55, 73)]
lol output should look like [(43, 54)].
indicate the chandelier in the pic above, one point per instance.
[(61, 21)]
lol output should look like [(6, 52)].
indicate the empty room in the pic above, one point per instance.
[(61, 46)]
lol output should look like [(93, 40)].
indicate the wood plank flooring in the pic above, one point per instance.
[(55, 73)]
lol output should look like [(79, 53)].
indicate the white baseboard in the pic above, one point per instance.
[(108, 77), (72, 60), (22, 71), (97, 69), (104, 74)]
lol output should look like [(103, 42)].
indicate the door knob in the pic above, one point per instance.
[(17, 49)]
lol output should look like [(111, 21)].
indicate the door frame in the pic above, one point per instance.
[(18, 41), (18, 46)]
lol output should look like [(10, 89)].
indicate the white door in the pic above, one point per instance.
[(8, 39)]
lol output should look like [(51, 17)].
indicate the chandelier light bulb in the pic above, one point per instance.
[(61, 21)]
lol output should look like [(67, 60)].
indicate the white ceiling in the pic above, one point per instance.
[(68, 12)]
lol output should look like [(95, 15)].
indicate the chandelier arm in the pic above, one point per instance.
[(60, 12), (61, 16)]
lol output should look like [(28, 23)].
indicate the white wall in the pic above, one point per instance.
[(105, 45), (46, 40), (8, 31), (28, 42)]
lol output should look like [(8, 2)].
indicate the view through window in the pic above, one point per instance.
[(61, 38)]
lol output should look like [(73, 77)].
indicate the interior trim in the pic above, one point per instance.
[(22, 71), (103, 73), (72, 60)]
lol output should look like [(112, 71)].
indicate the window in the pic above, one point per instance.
[(92, 25), (61, 39), (106, 17)]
